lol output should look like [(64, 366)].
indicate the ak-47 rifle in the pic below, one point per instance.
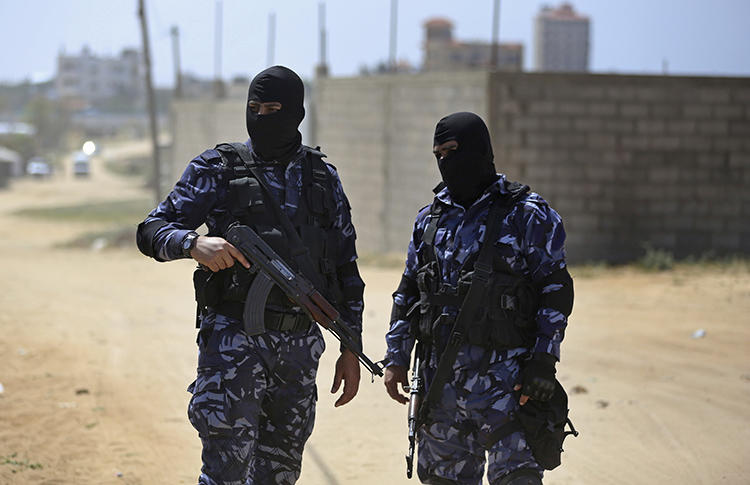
[(271, 270), (416, 388)]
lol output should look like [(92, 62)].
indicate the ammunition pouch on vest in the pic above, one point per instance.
[(507, 317), (506, 320), (247, 202)]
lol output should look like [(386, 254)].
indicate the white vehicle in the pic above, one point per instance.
[(81, 165), (39, 167)]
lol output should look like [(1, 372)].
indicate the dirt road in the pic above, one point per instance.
[(97, 348)]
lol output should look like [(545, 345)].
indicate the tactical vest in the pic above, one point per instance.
[(507, 316), (249, 204)]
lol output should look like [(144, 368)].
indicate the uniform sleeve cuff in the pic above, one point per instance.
[(396, 359), (547, 346)]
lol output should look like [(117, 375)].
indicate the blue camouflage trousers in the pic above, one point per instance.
[(253, 402), (457, 439)]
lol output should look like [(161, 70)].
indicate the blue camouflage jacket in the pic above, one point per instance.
[(531, 240), (200, 196)]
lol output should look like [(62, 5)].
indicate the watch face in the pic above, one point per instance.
[(187, 243)]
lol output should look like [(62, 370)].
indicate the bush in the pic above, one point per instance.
[(656, 259)]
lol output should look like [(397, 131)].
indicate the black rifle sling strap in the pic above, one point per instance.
[(470, 306), (300, 254)]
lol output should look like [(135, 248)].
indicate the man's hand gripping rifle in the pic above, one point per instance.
[(416, 389), (272, 270)]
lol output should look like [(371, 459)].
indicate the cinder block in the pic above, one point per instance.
[(631, 110), (731, 144), (662, 111), (541, 107), (711, 160), (619, 126), (618, 158), (592, 92), (556, 123), (587, 124), (528, 123), (713, 127), (512, 107), (664, 142), (695, 111), (581, 222), (679, 222), (570, 140), (664, 207), (683, 127), (729, 111), (571, 108), (664, 175), (663, 240), (740, 160), (602, 141), (714, 95), (570, 205), (600, 173), (739, 128), (538, 140), (653, 127), (726, 241), (621, 93), (696, 142), (741, 95), (602, 109), (637, 142), (648, 93)]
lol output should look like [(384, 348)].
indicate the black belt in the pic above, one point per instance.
[(290, 321)]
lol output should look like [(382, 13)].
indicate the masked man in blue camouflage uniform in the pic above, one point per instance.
[(253, 401), (509, 351)]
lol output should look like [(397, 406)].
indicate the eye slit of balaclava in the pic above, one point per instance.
[(276, 136), (469, 169)]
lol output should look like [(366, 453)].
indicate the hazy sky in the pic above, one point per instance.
[(694, 36)]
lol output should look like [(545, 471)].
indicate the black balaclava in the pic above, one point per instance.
[(275, 136), (468, 170)]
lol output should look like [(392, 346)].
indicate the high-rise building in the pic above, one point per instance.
[(443, 53), (90, 78), (561, 40)]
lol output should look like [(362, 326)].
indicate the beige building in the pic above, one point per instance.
[(443, 53), (561, 40), (89, 78)]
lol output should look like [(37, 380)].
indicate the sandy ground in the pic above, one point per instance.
[(97, 348)]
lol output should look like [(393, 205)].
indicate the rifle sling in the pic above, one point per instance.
[(479, 282)]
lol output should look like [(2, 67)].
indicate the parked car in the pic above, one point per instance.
[(81, 165), (39, 167)]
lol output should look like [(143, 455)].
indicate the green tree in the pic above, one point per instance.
[(51, 121)]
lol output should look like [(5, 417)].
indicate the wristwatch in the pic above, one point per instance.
[(188, 243)]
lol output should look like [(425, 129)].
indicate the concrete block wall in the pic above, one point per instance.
[(378, 131), (626, 160), (199, 124), (631, 160)]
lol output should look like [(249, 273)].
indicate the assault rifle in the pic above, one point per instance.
[(415, 401), (271, 270)]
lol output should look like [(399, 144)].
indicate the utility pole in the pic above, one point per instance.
[(218, 84), (175, 31), (494, 60), (393, 40), (271, 39), (322, 69), (151, 102)]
